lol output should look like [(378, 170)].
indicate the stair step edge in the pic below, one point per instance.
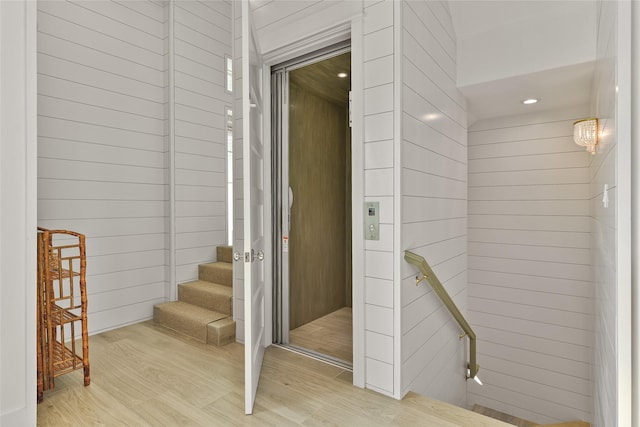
[(188, 319), (205, 285), (189, 310), (221, 332)]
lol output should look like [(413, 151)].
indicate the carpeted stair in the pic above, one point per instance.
[(510, 419), (204, 307)]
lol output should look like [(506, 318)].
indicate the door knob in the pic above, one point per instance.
[(236, 256)]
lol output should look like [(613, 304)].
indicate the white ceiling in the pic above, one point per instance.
[(477, 16), (557, 88), (552, 76)]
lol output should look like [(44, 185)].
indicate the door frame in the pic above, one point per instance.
[(348, 30), (281, 197)]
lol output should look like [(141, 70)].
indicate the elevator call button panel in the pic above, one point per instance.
[(372, 221)]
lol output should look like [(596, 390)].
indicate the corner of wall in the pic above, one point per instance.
[(432, 194)]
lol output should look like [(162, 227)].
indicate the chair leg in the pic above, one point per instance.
[(87, 376)]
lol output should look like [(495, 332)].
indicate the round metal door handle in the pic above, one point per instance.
[(260, 255), (236, 256)]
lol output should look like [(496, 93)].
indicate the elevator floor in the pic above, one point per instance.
[(331, 335)]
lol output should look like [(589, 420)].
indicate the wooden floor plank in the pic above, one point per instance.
[(331, 335), (146, 375)]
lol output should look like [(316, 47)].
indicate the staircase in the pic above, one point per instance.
[(204, 307), (510, 419)]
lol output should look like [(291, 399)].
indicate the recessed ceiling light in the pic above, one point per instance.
[(342, 75), (530, 101)]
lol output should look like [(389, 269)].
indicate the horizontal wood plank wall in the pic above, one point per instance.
[(603, 221), (434, 201), (316, 176), (378, 181), (530, 277), (101, 147), (280, 22), (202, 40)]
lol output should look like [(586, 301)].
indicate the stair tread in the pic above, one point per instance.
[(222, 322), (220, 264), (192, 312), (211, 287)]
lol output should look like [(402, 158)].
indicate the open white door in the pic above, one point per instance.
[(253, 182)]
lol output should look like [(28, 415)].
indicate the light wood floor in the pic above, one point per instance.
[(331, 335), (145, 375)]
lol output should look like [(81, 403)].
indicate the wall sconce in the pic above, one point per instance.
[(585, 134)]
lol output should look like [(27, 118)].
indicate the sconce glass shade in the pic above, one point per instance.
[(585, 134)]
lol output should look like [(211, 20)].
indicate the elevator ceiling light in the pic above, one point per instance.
[(342, 75), (530, 101), (585, 134)]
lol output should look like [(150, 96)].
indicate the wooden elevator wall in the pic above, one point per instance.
[(317, 171)]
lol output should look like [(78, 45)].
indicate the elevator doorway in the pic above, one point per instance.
[(312, 205)]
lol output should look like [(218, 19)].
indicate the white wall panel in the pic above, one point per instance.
[(379, 292), (419, 20), (603, 170), (122, 13), (415, 131), (379, 347), (378, 44), (379, 375), (280, 22), (379, 164), (379, 71), (18, 206), (85, 55), (433, 201), (103, 145), (112, 281), (202, 39), (378, 155), (530, 274)]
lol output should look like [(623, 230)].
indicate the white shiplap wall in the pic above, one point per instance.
[(202, 39), (378, 70), (104, 156), (603, 221), (530, 277), (101, 147), (281, 22), (433, 201)]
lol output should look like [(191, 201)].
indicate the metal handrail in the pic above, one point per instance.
[(430, 276)]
